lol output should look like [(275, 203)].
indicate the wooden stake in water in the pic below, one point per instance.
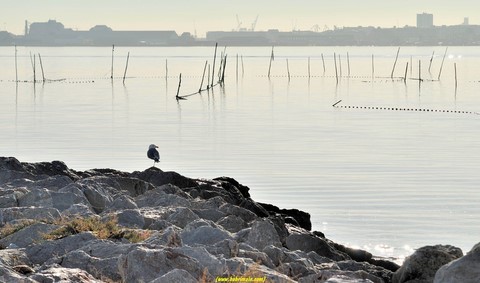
[(34, 69), (411, 66), (243, 70), (203, 76), (213, 67), (405, 77), (16, 69), (373, 68), (272, 57), (224, 67), (179, 84), (419, 71), (41, 67), (166, 69), (323, 60), (431, 60), (340, 65), (288, 70), (113, 50), (395, 63), (335, 61), (126, 67), (208, 77), (441, 66), (455, 66), (348, 64), (236, 67), (308, 67)]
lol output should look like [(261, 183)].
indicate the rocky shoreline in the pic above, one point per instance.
[(103, 225)]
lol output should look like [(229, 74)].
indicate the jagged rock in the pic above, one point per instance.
[(105, 249), (340, 276), (465, 269), (42, 252), (203, 235), (8, 199), (245, 214), (169, 237), (301, 217), (355, 254), (130, 218), (232, 223), (53, 183), (28, 235), (239, 267), (8, 274), (204, 258), (97, 194), (99, 268), (144, 265), (13, 257), (422, 265), (262, 234), (309, 242), (158, 197), (35, 213), (241, 188), (176, 275), (61, 274), (212, 214), (295, 270), (79, 210), (258, 257), (122, 202), (158, 178), (380, 272), (23, 269), (182, 216), (226, 248)]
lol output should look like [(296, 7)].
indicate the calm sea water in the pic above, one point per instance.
[(382, 180)]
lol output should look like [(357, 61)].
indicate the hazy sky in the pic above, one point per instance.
[(204, 15)]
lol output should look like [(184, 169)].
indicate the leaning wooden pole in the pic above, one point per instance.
[(455, 66), (179, 84), (41, 67), (405, 77), (395, 63), (323, 60), (243, 70), (441, 66), (348, 64), (272, 57), (111, 73), (288, 70), (224, 68), (373, 68), (431, 60), (126, 67), (34, 69), (203, 76), (308, 67), (166, 69), (213, 66)]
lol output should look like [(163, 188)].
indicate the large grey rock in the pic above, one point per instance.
[(13, 257), (28, 235), (176, 275), (262, 234), (99, 196), (309, 242), (122, 202), (106, 268), (351, 265), (212, 214), (245, 214), (157, 197), (169, 237), (232, 223), (158, 177), (463, 270), (44, 251), (240, 267), (35, 213), (182, 216), (8, 274), (143, 265), (206, 260), (131, 218), (204, 235), (61, 274), (422, 265)]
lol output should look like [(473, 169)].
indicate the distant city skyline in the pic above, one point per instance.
[(210, 15)]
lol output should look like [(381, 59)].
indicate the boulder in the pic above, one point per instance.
[(309, 242), (262, 234), (158, 177), (44, 251), (157, 197), (182, 216), (8, 274), (302, 219), (422, 265), (28, 235), (351, 265), (61, 274), (465, 269), (232, 223), (130, 218), (176, 275), (204, 235), (99, 268), (34, 213), (144, 265), (169, 237)]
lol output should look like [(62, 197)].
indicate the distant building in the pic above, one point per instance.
[(424, 20), (466, 22)]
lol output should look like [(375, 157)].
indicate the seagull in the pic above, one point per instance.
[(152, 153)]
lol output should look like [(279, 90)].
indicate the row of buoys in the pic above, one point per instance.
[(402, 109)]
